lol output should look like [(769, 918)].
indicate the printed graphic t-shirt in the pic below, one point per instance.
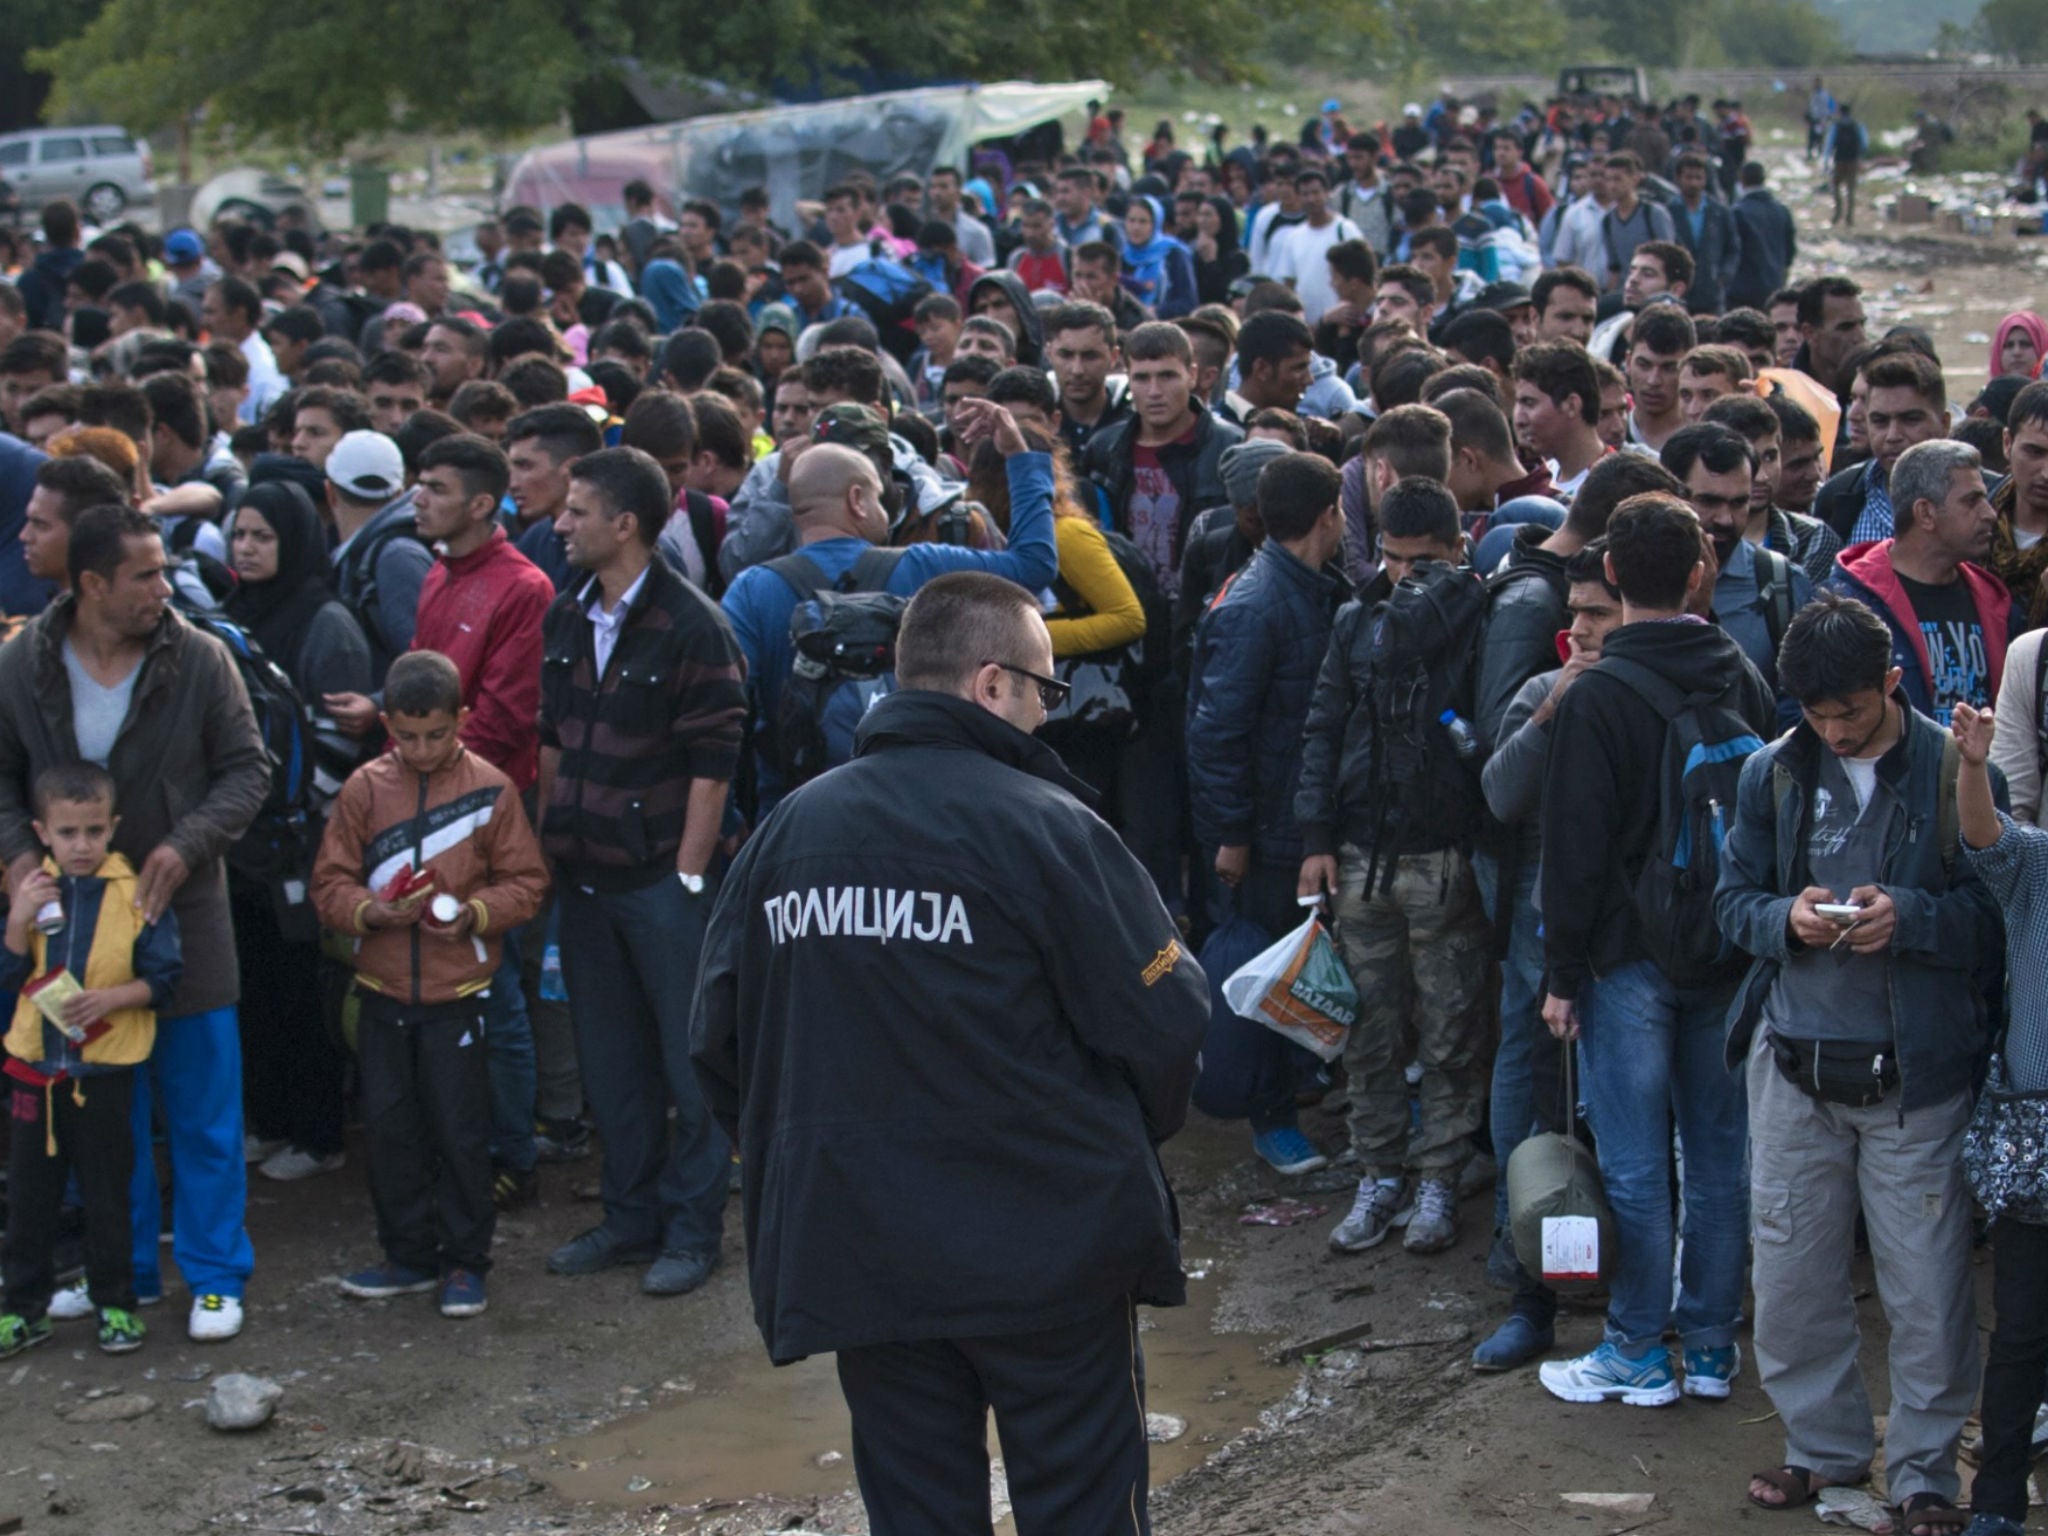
[(1155, 512), (1959, 666)]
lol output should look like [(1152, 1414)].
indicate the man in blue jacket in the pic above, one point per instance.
[(836, 495), (21, 595), (1769, 241), (1257, 653), (1857, 1031), (1705, 227), (947, 1020)]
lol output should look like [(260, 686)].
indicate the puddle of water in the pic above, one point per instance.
[(750, 1429)]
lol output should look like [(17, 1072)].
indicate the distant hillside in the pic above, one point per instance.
[(1896, 26)]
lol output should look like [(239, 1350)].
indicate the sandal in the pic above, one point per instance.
[(1933, 1513), (1795, 1483)]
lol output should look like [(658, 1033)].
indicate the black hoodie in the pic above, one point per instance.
[(1601, 791), (1031, 345)]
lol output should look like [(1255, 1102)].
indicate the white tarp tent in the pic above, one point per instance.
[(795, 152)]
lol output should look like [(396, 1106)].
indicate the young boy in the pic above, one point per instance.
[(428, 858), (76, 946), (938, 331)]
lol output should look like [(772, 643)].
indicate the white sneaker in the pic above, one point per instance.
[(71, 1303), (292, 1163), (215, 1318), (256, 1148)]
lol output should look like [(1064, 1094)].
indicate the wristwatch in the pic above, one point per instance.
[(694, 884)]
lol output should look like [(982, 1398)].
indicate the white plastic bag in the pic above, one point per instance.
[(1298, 988)]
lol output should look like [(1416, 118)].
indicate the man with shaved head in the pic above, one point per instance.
[(841, 506)]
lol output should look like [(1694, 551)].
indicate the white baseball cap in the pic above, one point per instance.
[(367, 466)]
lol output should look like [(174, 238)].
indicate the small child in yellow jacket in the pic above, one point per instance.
[(92, 975)]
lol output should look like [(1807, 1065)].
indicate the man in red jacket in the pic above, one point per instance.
[(481, 606)]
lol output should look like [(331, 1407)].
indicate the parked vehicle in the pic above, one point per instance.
[(104, 169)]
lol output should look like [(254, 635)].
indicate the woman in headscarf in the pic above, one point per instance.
[(667, 286), (292, 1065), (1157, 267), (1218, 258), (774, 342), (2018, 345)]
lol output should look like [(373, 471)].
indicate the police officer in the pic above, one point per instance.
[(948, 1022)]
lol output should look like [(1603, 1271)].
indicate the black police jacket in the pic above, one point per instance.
[(947, 1021)]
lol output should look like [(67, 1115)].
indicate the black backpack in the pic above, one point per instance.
[(1423, 786), (356, 582), (1774, 591), (1706, 742), (842, 642), (280, 840)]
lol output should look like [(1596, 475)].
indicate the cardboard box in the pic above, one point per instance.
[(1913, 208)]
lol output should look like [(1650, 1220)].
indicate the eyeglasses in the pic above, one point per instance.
[(1052, 693)]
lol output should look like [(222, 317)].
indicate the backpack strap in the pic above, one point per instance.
[(801, 574), (871, 571), (1774, 588), (1652, 689), (1948, 816)]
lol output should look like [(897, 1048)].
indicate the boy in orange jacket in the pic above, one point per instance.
[(427, 860)]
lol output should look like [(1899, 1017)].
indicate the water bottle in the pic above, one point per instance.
[(1464, 740), (551, 986)]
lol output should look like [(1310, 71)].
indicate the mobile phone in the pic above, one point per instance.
[(1838, 911)]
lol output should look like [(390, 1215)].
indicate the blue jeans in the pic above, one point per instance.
[(508, 1038), (197, 1070), (1511, 1108), (630, 961), (1651, 1052)]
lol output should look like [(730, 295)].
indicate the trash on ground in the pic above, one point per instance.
[(238, 1402), (1613, 1503), (1281, 1213), (1164, 1428), (1857, 1507)]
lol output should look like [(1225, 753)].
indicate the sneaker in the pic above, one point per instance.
[(512, 1190), (1608, 1373), (381, 1281), (294, 1163), (214, 1318), (120, 1332), (560, 1141), (1711, 1372), (1434, 1226), (462, 1293), (257, 1149), (70, 1304), (2040, 1441), (1286, 1150), (589, 1252), (1515, 1342), (18, 1333), (1371, 1218), (678, 1273)]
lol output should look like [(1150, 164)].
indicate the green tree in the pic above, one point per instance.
[(2016, 28)]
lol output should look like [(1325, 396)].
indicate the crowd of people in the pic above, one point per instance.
[(1464, 526)]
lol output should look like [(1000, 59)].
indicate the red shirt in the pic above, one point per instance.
[(1527, 195), (1037, 272), (483, 612)]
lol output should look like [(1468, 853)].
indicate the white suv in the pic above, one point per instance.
[(103, 169)]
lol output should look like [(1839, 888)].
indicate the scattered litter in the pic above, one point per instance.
[(1858, 1507), (828, 1458), (1613, 1503), (1164, 1428), (639, 1484), (114, 1409), (1281, 1213), (238, 1402), (1762, 1418), (192, 1373), (1975, 338)]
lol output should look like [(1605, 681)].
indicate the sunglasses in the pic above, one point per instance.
[(1052, 693)]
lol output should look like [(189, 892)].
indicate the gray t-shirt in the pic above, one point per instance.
[(1834, 994), (97, 711)]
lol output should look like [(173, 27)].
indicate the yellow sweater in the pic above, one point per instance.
[(1111, 616)]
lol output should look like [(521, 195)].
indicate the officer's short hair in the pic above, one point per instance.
[(957, 623)]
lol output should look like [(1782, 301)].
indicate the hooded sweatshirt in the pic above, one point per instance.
[(1604, 782), (1030, 345), (1865, 572)]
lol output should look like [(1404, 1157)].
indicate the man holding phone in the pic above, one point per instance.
[(1857, 1028)]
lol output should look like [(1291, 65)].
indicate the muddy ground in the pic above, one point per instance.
[(581, 1406)]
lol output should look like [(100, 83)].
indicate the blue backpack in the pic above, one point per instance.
[(888, 292), (1706, 742)]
